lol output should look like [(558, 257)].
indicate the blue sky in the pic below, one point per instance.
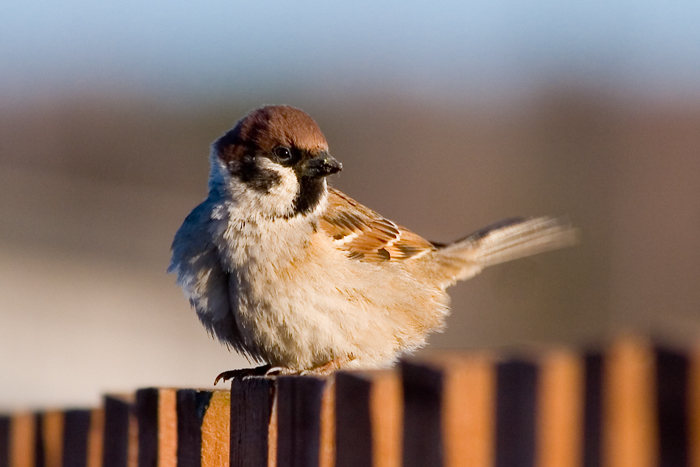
[(466, 46)]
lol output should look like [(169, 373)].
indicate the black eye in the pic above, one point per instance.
[(283, 154)]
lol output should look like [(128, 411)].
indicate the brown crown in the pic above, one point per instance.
[(268, 127)]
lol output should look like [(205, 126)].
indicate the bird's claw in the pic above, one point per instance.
[(269, 370), (243, 373), (264, 370)]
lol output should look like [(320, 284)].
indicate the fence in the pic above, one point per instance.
[(632, 405)]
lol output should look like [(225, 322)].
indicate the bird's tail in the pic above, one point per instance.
[(505, 241)]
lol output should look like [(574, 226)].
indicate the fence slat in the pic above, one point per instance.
[(215, 430), (368, 418), (251, 422), (560, 432), (353, 420), (76, 430), (5, 441), (422, 435), (449, 410), (96, 435), (120, 448), (630, 437), (672, 404), (191, 406), (516, 411), (23, 435), (694, 407), (156, 413), (299, 406), (593, 410)]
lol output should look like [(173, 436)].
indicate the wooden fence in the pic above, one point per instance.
[(632, 405)]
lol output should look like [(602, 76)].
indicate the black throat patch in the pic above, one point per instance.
[(311, 191)]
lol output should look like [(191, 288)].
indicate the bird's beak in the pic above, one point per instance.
[(320, 166)]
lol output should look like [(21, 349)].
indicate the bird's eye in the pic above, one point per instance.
[(283, 154)]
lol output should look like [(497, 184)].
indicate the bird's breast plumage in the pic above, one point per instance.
[(303, 302)]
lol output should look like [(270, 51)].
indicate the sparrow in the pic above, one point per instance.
[(294, 274)]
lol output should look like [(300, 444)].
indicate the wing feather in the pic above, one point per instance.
[(367, 236)]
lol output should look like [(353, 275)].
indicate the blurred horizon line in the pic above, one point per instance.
[(493, 95)]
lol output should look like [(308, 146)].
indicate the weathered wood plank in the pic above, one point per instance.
[(120, 442), (156, 413), (630, 429), (449, 410), (593, 411), (215, 430), (191, 407), (422, 434), (76, 432), (5, 422), (560, 412), (252, 435), (516, 412), (299, 408), (368, 418), (673, 407), (23, 439)]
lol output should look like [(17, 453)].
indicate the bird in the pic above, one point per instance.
[(302, 279)]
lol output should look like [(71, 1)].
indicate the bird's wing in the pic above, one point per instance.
[(366, 235)]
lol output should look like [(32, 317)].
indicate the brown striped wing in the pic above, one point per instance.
[(366, 235)]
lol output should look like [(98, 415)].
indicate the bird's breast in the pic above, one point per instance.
[(270, 244)]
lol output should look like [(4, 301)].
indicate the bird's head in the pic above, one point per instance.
[(277, 159)]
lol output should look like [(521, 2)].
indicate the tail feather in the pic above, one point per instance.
[(506, 241)]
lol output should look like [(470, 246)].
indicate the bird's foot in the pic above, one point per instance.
[(242, 373), (269, 370), (264, 370)]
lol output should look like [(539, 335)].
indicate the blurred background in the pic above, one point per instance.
[(447, 116)]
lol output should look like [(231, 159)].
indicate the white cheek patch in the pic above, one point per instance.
[(280, 198), (278, 201), (288, 187)]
